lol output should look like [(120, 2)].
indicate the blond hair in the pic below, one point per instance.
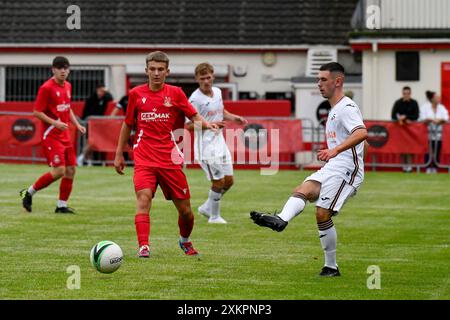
[(203, 68), (157, 56)]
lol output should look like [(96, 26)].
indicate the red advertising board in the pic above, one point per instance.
[(445, 84), (445, 149), (392, 138)]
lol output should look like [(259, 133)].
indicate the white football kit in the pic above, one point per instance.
[(342, 175), (210, 149)]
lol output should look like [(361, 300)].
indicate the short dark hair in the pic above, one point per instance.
[(100, 85), (406, 88), (60, 62), (333, 67), (430, 95)]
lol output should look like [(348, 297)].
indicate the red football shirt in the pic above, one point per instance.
[(156, 115), (53, 99)]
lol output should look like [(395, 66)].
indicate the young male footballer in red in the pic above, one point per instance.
[(52, 107), (156, 110)]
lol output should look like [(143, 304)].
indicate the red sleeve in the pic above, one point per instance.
[(42, 99), (130, 117), (185, 106)]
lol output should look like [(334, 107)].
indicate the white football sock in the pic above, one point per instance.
[(293, 207), (183, 240), (214, 202), (31, 190), (328, 240), (61, 204), (206, 205)]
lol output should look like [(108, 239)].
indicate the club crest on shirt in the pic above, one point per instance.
[(167, 102), (144, 99), (58, 93), (56, 159)]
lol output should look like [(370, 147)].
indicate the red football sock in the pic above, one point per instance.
[(65, 188), (186, 226), (44, 181), (142, 223)]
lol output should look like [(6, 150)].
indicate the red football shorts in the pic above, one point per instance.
[(58, 154), (173, 182)]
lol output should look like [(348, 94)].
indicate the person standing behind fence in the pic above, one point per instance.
[(435, 115), (52, 107), (405, 111), (121, 107), (95, 105)]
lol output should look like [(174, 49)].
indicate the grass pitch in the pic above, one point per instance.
[(398, 222)]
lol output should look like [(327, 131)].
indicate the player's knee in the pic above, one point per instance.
[(309, 190), (185, 212), (218, 185), (69, 172), (228, 183), (323, 215), (57, 172), (143, 201)]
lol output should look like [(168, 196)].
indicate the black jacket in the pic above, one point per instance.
[(409, 108), (95, 106)]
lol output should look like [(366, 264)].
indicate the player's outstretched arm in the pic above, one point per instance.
[(355, 138), (119, 161), (234, 117), (366, 149), (197, 119)]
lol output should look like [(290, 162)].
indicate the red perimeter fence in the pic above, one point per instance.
[(263, 140)]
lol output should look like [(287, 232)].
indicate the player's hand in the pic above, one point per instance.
[(81, 129), (326, 154), (213, 126), (241, 120), (60, 125), (220, 124), (119, 163)]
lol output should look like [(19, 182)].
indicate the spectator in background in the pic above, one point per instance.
[(405, 111), (95, 105), (121, 106), (435, 115)]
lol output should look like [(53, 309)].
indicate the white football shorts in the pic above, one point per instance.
[(218, 168), (334, 191)]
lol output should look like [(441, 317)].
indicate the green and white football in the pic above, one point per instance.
[(106, 256)]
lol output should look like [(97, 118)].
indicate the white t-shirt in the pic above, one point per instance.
[(427, 112), (344, 118), (209, 145)]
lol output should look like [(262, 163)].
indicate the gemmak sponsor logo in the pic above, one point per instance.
[(63, 107), (153, 116)]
